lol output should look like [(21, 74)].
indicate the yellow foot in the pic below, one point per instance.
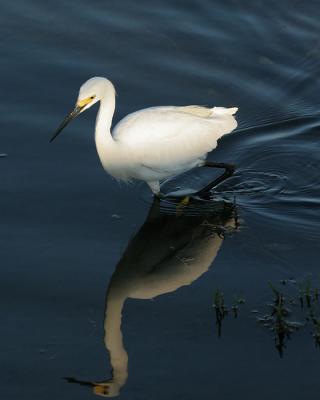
[(182, 204)]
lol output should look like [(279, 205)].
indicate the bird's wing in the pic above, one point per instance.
[(165, 137), (168, 120)]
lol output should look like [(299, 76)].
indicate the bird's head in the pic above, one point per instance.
[(92, 91)]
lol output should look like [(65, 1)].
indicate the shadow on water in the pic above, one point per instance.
[(169, 251)]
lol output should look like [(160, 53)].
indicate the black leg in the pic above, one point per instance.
[(229, 170)]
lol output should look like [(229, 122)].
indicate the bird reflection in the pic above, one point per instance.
[(168, 252)]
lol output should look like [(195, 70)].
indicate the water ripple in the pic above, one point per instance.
[(276, 178)]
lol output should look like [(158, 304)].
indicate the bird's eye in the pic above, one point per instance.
[(92, 97)]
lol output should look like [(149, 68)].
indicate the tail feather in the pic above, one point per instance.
[(222, 110)]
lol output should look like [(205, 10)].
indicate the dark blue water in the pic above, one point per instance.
[(74, 243)]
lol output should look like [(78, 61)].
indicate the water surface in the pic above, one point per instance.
[(68, 232)]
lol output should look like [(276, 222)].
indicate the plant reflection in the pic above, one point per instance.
[(168, 252)]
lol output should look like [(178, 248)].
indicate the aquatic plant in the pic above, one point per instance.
[(308, 294), (235, 307), (220, 308), (316, 333), (277, 320), (283, 317)]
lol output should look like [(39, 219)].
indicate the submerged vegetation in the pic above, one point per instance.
[(277, 320), (222, 310), (281, 315)]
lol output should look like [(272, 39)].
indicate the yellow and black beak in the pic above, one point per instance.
[(65, 122), (74, 113)]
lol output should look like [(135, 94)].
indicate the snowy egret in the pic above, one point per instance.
[(154, 143)]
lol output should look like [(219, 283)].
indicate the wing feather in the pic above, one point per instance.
[(172, 138)]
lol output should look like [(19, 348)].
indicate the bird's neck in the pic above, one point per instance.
[(104, 120), (113, 336)]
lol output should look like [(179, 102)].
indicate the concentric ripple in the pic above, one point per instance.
[(277, 177)]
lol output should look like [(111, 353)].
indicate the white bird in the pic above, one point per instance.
[(154, 143)]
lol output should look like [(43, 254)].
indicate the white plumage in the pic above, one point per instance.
[(154, 143)]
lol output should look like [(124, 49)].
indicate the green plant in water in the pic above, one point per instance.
[(307, 294), (278, 321), (220, 308), (279, 316), (316, 333), (238, 301), (316, 295), (316, 326)]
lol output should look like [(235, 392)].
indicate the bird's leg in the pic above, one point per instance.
[(159, 195), (229, 170)]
